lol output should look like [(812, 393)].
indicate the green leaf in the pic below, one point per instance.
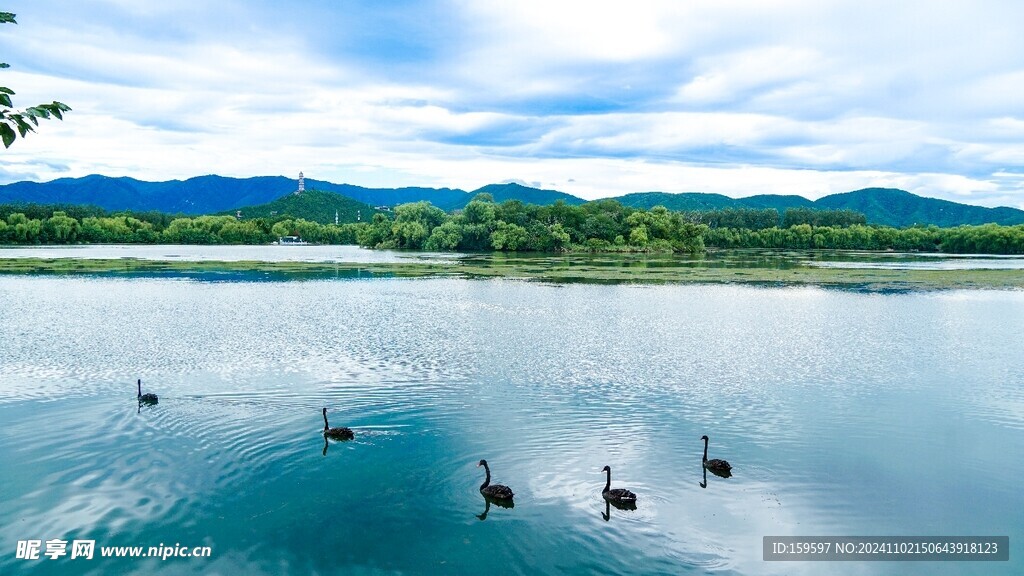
[(7, 18), (19, 117), (6, 90), (8, 135), (23, 127), (4, 65), (5, 100), (56, 112), (22, 117)]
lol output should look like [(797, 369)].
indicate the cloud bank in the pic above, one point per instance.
[(593, 98)]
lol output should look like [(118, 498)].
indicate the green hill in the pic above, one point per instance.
[(778, 201), (689, 201), (899, 208), (312, 205), (682, 201), (525, 194), (886, 206), (444, 198)]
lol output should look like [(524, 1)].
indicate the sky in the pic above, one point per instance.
[(593, 98)]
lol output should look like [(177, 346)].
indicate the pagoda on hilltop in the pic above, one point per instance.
[(302, 185)]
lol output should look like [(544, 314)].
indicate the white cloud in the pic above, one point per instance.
[(996, 93), (574, 30), (604, 98), (729, 77), (635, 133)]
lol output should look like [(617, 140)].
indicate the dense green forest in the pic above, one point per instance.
[(601, 226), (314, 205), (60, 224)]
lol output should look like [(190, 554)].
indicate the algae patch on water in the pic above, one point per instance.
[(745, 268)]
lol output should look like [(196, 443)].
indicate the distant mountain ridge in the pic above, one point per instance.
[(199, 195), (886, 206), (900, 208), (446, 199), (217, 194)]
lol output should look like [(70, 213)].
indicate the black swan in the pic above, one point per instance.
[(496, 491), (149, 397), (716, 466), (619, 495), (488, 500), (609, 504), (340, 433)]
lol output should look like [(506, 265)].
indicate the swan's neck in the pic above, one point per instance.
[(487, 480), (705, 450), (140, 389), (608, 484), (325, 421)]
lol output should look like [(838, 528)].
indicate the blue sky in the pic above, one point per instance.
[(592, 98)]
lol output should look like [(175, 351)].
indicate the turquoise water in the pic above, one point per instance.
[(842, 414)]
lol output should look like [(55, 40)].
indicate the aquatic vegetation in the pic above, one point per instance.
[(731, 267)]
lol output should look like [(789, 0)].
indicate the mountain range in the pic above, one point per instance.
[(886, 206), (218, 194)]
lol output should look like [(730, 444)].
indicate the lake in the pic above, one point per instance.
[(842, 413)]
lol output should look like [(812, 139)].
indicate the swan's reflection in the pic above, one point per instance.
[(704, 471), (328, 441), (607, 514), (497, 502)]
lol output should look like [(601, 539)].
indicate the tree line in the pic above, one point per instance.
[(38, 224), (604, 225), (762, 218), (983, 239), (483, 225)]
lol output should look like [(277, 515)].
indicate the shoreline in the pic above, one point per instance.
[(558, 269)]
